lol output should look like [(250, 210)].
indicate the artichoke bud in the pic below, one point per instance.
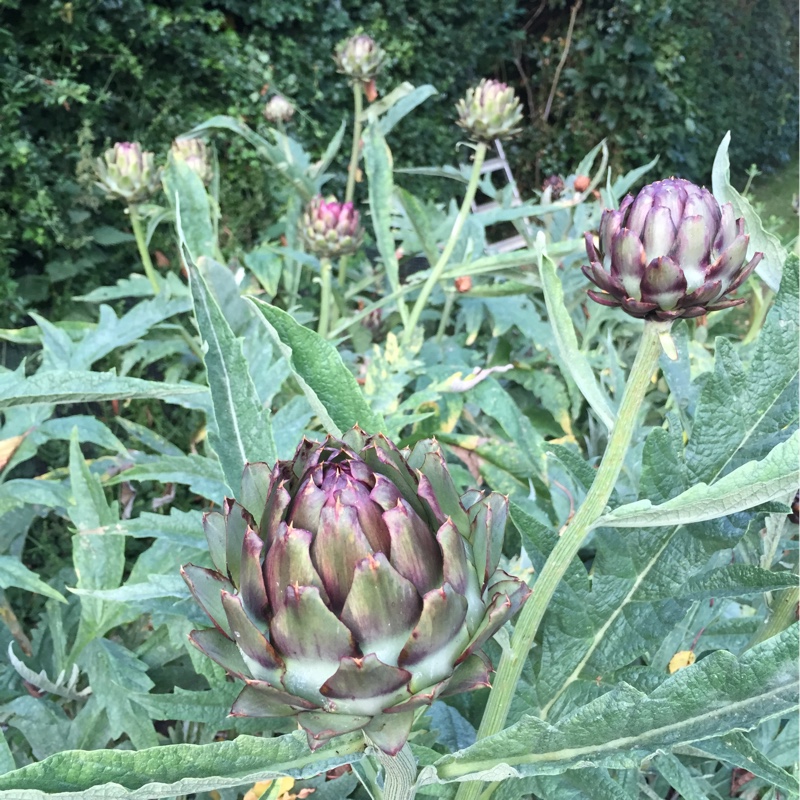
[(554, 185), (489, 111), (278, 109), (127, 172), (329, 228), (672, 252), (359, 57), (352, 586), (193, 153)]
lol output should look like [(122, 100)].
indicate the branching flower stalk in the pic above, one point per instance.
[(514, 658), (436, 273), (141, 244)]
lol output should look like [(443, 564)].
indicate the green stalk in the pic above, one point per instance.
[(514, 657), (400, 774), (325, 297), (354, 152), (436, 272), (141, 243), (446, 311)]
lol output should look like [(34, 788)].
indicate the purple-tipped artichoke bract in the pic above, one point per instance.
[(359, 57), (128, 173), (672, 252), (278, 109), (329, 228), (489, 111), (194, 154), (352, 586)]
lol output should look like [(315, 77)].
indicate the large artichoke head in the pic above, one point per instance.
[(352, 586), (329, 228), (360, 57), (127, 172), (672, 252), (489, 111)]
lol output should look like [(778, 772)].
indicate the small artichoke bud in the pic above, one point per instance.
[(359, 57), (555, 184), (672, 252), (353, 586), (489, 111), (278, 109), (330, 228), (194, 154), (128, 173)]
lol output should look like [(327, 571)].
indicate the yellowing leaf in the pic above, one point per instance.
[(8, 447), (684, 658), (271, 790)]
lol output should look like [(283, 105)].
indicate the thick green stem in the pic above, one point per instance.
[(325, 297), (400, 774), (449, 300), (514, 657), (438, 269), (354, 152), (141, 243)]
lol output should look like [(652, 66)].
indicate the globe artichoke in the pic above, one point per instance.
[(194, 154), (330, 228), (128, 173), (278, 109), (490, 111), (352, 586), (359, 57), (672, 252)]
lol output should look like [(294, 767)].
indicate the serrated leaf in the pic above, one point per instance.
[(679, 777), (179, 527), (572, 358), (243, 430), (753, 483), (761, 240), (404, 106), (736, 580), (165, 772), (188, 198), (624, 726), (14, 573), (329, 386), (76, 386)]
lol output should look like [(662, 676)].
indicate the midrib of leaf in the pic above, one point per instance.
[(228, 393), (625, 742), (598, 637)]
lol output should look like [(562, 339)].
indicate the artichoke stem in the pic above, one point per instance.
[(354, 153), (514, 657), (436, 272), (400, 773), (325, 298), (141, 244)]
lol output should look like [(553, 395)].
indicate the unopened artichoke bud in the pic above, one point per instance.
[(353, 586), (555, 184), (194, 153), (128, 173), (278, 109), (330, 228), (490, 111), (359, 57), (672, 252)]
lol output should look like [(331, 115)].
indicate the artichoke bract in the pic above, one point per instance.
[(128, 173), (489, 111), (278, 109), (352, 586), (329, 228), (359, 57), (672, 252), (194, 154)]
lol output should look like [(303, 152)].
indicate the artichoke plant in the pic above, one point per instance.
[(128, 173), (359, 57), (278, 109), (489, 111), (194, 154), (672, 252), (352, 586), (330, 228)]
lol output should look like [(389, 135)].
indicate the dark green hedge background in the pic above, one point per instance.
[(653, 76)]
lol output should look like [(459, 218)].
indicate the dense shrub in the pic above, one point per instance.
[(663, 77)]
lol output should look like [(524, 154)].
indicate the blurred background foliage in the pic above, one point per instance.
[(664, 77)]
